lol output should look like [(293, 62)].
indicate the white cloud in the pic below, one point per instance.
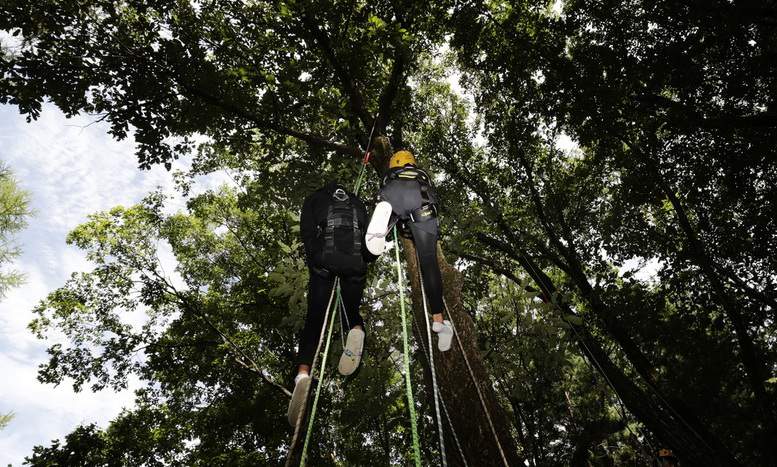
[(567, 144), (71, 170), (643, 270), (43, 413), (15, 314)]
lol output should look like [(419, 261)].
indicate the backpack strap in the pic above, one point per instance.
[(408, 172), (333, 221), (357, 231), (329, 231)]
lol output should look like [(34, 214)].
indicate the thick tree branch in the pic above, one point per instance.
[(262, 123), (686, 116), (697, 253), (635, 355), (764, 297), (497, 268), (577, 274), (661, 415), (568, 252), (355, 98), (396, 80), (759, 120), (239, 111), (496, 215)]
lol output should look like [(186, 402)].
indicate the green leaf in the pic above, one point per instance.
[(284, 247), (574, 319), (376, 23), (283, 10)]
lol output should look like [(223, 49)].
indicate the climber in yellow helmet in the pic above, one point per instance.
[(407, 197)]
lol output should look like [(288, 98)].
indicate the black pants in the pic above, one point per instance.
[(425, 238), (319, 291)]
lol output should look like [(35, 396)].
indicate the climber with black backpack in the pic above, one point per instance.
[(332, 226), (407, 198)]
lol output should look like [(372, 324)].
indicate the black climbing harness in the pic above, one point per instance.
[(428, 209), (424, 213), (342, 235)]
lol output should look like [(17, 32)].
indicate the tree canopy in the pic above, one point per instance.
[(14, 212), (583, 358)]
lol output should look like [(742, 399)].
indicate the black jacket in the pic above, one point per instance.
[(314, 211)]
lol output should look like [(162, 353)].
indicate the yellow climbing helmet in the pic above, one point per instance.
[(401, 158), (664, 453)]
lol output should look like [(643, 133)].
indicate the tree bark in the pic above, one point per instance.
[(457, 387)]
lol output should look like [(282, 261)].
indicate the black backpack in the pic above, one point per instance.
[(342, 235)]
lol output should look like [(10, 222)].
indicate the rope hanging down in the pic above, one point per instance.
[(338, 302), (477, 387), (406, 352), (343, 314), (417, 328), (357, 186), (298, 424), (432, 369)]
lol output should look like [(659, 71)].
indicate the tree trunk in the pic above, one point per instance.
[(592, 434), (457, 387), (683, 434), (696, 252), (753, 364), (688, 425)]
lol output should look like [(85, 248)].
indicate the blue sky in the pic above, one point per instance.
[(70, 170)]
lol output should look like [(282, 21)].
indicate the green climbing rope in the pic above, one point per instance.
[(360, 178), (338, 301), (365, 160), (406, 352)]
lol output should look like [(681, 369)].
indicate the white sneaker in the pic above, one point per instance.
[(377, 230), (298, 398), (352, 353), (444, 332)]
